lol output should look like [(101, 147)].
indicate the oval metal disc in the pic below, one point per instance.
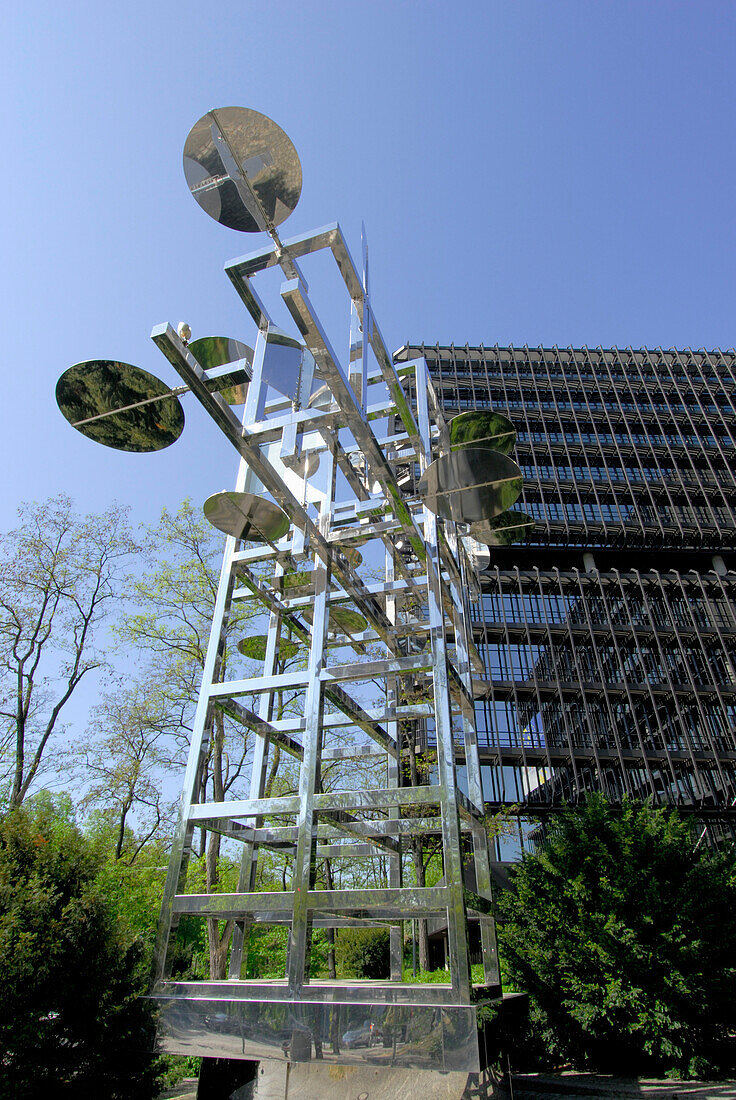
[(119, 405), (212, 352), (246, 516), (242, 169), (482, 428), (470, 485), (504, 530), (352, 554), (255, 648), (343, 620)]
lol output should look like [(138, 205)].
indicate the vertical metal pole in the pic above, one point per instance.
[(249, 859), (396, 934), (451, 834), (304, 863), (201, 731)]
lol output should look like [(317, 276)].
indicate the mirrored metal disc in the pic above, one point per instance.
[(503, 530), (135, 409), (255, 648), (470, 485), (352, 553), (343, 620), (246, 516), (213, 352), (482, 428), (242, 169), (321, 398)]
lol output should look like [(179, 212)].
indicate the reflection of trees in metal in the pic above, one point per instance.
[(93, 388)]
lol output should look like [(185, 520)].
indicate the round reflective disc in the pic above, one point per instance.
[(482, 428), (255, 648), (246, 516), (503, 530), (218, 351), (470, 485), (119, 405), (242, 169), (352, 554), (343, 620)]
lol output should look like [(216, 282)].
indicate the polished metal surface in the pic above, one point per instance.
[(242, 169), (256, 647), (504, 529), (341, 619), (120, 405), (482, 428), (212, 352), (245, 516), (282, 361), (376, 1031), (330, 450), (470, 485)]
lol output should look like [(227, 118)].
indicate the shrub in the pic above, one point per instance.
[(625, 938), (71, 1021), (363, 953)]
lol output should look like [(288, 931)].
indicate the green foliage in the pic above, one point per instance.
[(625, 938), (363, 952), (71, 1021), (177, 1067)]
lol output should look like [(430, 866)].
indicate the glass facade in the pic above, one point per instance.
[(609, 633)]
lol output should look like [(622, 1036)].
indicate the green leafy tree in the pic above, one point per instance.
[(59, 578), (71, 1021), (122, 761), (174, 604), (625, 938)]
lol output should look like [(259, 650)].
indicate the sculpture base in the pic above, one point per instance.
[(277, 1081), (326, 1029)]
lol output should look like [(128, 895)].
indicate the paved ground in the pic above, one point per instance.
[(564, 1086), (583, 1086)]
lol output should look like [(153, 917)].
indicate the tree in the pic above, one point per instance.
[(59, 578), (72, 1023), (123, 759), (625, 938), (175, 603)]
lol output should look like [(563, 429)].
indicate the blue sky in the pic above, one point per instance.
[(556, 172)]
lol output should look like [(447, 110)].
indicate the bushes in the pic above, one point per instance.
[(363, 953), (625, 938), (71, 1021)]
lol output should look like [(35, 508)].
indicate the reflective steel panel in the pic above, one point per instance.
[(136, 410), (502, 530), (470, 485), (282, 362), (260, 150), (246, 516), (411, 1036), (482, 428), (217, 351)]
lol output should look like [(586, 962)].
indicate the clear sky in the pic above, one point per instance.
[(555, 171)]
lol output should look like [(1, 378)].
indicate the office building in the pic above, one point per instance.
[(609, 633)]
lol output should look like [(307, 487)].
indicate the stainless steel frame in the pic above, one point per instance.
[(373, 447)]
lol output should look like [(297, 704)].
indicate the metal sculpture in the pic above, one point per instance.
[(332, 457)]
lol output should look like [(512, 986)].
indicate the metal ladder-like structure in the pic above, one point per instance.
[(362, 491), (333, 457)]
